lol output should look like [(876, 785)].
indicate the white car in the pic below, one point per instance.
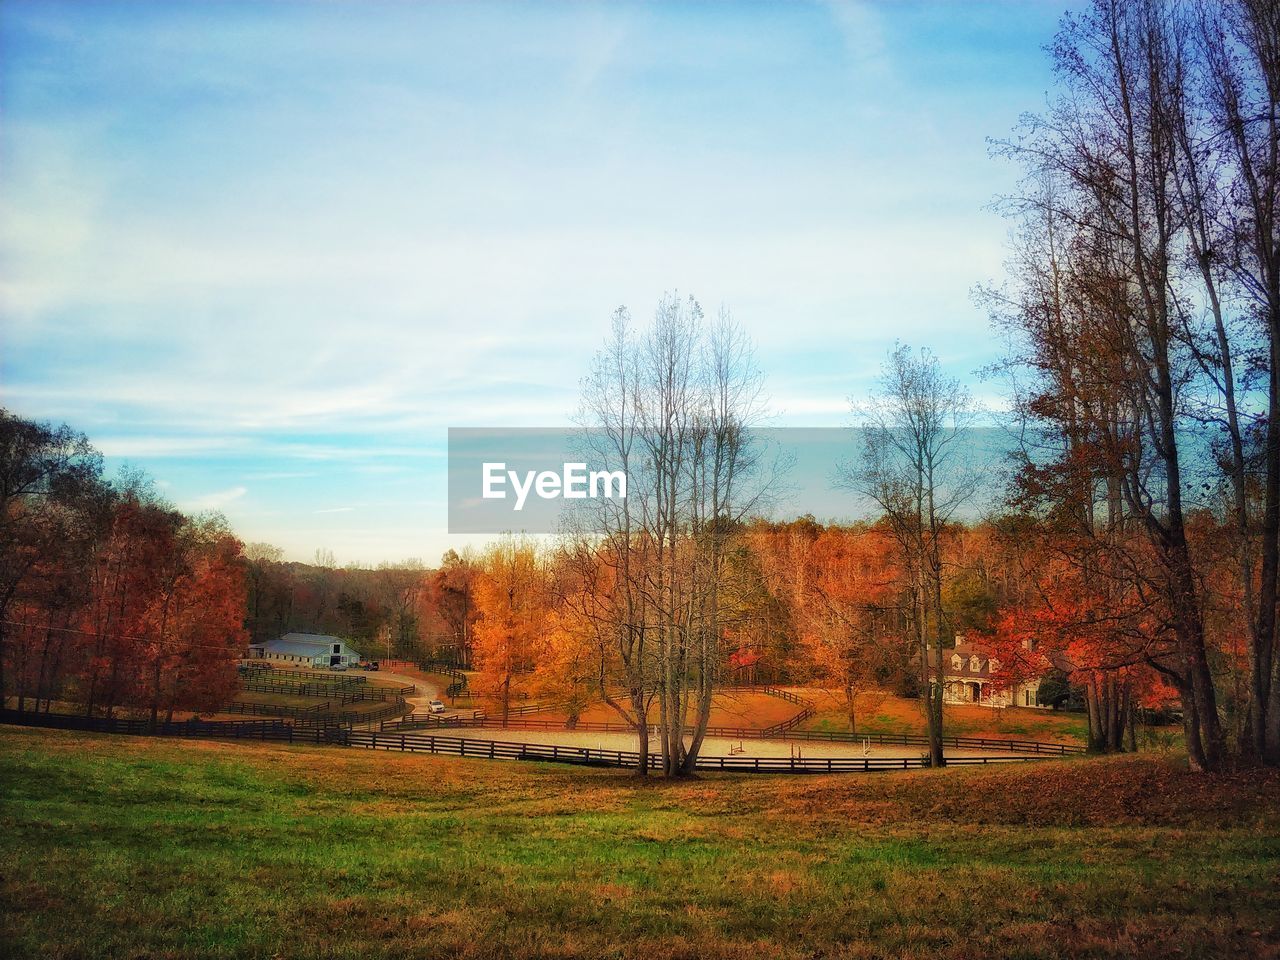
[(435, 706)]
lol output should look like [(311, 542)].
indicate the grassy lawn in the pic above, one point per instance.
[(890, 714), (278, 699), (331, 678), (118, 847), (354, 710)]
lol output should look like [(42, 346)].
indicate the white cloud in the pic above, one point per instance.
[(128, 447), (216, 500), (862, 30)]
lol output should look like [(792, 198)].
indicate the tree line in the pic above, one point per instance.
[(109, 597)]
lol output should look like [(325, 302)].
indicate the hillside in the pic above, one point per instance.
[(231, 850)]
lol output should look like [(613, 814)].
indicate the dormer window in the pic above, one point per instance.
[(975, 664), (995, 665), (956, 662)]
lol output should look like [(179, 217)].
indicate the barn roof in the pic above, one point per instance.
[(304, 644)]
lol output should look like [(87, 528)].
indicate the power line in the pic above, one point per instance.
[(173, 641)]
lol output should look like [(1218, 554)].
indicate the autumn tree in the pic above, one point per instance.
[(512, 600), (843, 591), (193, 629), (400, 587), (566, 669), (1229, 183), (51, 497), (452, 590), (1151, 219), (262, 561)]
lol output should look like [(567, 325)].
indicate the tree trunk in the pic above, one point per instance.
[(849, 706)]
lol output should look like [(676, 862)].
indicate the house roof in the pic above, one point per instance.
[(1027, 661), (304, 645), (965, 652)]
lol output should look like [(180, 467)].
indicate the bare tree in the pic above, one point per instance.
[(913, 466), (400, 585), (1231, 172), (671, 408)]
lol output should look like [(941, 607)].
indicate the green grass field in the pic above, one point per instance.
[(354, 709), (896, 715), (118, 847)]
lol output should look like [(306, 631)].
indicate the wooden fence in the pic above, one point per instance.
[(421, 721), (439, 667), (325, 713), (808, 711), (320, 675), (216, 729), (278, 710), (487, 749), (784, 730), (343, 693), (381, 714)]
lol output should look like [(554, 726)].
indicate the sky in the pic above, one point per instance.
[(271, 252)]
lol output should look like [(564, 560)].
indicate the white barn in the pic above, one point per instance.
[(307, 650)]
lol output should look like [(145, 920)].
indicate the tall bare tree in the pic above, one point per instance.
[(914, 466), (1231, 166), (670, 407), (1131, 193)]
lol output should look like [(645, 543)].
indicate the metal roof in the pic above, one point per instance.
[(305, 645)]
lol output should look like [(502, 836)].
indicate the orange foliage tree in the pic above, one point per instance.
[(512, 601), (842, 586)]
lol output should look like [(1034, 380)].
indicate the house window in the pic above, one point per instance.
[(337, 648), (975, 664), (955, 662), (1027, 695)]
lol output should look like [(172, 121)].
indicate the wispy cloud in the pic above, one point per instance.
[(130, 447), (862, 30), (216, 500)]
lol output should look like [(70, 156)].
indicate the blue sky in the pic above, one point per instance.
[(270, 252)]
